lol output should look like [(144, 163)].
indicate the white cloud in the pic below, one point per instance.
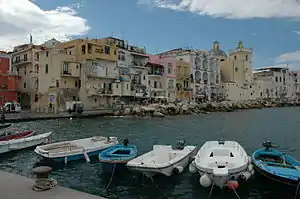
[(297, 32), (19, 18), (288, 57), (233, 9)]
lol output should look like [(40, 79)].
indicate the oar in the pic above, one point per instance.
[(86, 156)]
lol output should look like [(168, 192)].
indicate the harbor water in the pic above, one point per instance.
[(249, 128)]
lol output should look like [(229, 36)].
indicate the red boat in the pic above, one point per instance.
[(15, 135)]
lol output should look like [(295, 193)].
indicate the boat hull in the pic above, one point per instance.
[(75, 157), (3, 126), (166, 171), (113, 167), (17, 136), (275, 178), (23, 143)]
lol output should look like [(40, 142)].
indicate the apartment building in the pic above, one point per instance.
[(184, 81)]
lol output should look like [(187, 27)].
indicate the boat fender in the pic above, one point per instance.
[(252, 172), (192, 168), (66, 159), (177, 170), (205, 181), (250, 167), (232, 184), (86, 156), (246, 175)]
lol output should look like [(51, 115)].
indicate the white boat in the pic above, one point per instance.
[(76, 149), (163, 160), (222, 163), (22, 143)]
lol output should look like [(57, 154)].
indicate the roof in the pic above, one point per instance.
[(277, 67), (155, 60)]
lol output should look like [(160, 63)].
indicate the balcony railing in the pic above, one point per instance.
[(21, 61), (156, 73)]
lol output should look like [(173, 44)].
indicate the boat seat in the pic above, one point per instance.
[(220, 171)]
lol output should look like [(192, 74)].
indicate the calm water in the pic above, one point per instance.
[(249, 128)]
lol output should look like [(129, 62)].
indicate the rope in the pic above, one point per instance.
[(111, 177), (164, 195), (296, 194), (44, 184), (211, 189), (237, 195)]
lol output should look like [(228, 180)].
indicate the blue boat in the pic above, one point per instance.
[(276, 165), (116, 157)]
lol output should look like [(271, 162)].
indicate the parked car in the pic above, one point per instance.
[(11, 107)]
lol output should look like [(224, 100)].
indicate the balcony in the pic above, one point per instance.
[(156, 73), (20, 62), (102, 72), (69, 73), (137, 64), (100, 92)]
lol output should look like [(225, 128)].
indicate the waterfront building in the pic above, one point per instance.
[(9, 80), (295, 75), (184, 81), (236, 72), (156, 84), (205, 72), (25, 61), (277, 82), (100, 85), (131, 63)]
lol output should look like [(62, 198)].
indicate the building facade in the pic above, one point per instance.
[(184, 81), (9, 81)]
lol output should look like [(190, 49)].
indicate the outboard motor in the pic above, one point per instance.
[(267, 144), (180, 145), (125, 142)]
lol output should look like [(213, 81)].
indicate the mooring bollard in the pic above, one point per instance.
[(43, 182)]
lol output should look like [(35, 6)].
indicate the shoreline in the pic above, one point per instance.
[(156, 110), (173, 109)]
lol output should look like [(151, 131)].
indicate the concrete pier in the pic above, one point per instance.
[(13, 186), (28, 116)]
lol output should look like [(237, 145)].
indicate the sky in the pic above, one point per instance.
[(270, 27)]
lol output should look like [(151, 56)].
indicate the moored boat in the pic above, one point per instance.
[(22, 143), (10, 135), (76, 149), (115, 158), (276, 165), (222, 163), (163, 159)]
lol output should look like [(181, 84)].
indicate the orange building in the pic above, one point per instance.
[(8, 81)]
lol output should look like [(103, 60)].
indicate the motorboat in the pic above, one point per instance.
[(76, 149), (22, 143), (163, 159), (276, 165), (10, 135), (115, 158), (222, 163), (4, 125)]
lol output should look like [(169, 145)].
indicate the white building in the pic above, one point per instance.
[(277, 82), (205, 69)]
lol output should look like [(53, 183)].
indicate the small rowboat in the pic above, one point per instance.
[(115, 158), (5, 125), (276, 165), (15, 135)]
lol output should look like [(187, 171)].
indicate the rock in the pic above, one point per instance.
[(158, 114)]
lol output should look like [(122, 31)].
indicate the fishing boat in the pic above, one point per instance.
[(22, 143), (5, 125), (115, 158), (222, 164), (10, 135), (76, 149), (276, 165), (163, 159)]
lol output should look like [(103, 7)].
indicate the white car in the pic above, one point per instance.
[(12, 107)]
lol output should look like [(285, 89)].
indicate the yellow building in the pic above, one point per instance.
[(100, 85), (184, 82)]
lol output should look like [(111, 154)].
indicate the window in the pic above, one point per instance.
[(169, 68), (37, 56), (46, 69), (276, 79), (47, 54), (65, 67), (75, 83), (25, 57), (280, 79), (65, 82), (246, 58), (236, 69), (115, 52), (127, 86), (107, 50), (24, 85), (170, 83), (83, 49), (57, 84), (234, 57)]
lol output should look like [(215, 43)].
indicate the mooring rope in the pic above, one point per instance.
[(211, 189), (111, 177), (44, 184), (296, 194), (237, 195)]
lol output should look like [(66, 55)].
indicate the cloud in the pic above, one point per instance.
[(233, 9), (19, 18), (297, 32), (288, 57)]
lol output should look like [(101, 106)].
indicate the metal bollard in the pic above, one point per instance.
[(43, 182)]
